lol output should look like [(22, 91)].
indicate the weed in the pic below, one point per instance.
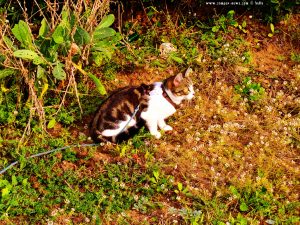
[(295, 57), (249, 89)]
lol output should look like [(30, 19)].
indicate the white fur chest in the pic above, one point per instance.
[(158, 106)]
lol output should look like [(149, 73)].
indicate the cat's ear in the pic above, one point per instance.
[(177, 79), (188, 72)]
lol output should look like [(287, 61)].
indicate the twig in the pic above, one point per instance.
[(63, 99), (75, 88)]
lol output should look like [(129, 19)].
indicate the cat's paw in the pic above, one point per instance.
[(167, 128), (157, 135)]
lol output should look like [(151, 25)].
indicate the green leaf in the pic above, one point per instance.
[(234, 23), (23, 33), (103, 33), (65, 14), (44, 28), (215, 29), (14, 180), (156, 174), (179, 185), (6, 72), (98, 83), (230, 13), (106, 52), (58, 72), (152, 179), (176, 59), (272, 27), (101, 44), (98, 58), (81, 36), (270, 35), (3, 183), (107, 21), (5, 191), (38, 60), (26, 54), (244, 24), (58, 35), (51, 123), (156, 62), (25, 182), (40, 73), (243, 207), (234, 191)]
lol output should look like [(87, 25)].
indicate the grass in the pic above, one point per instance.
[(232, 158)]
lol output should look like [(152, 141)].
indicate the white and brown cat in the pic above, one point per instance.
[(129, 108)]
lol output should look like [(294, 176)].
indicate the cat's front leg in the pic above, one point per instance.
[(151, 122), (152, 126), (163, 126)]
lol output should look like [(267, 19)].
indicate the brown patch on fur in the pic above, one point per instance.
[(117, 107)]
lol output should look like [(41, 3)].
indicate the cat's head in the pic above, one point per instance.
[(180, 87)]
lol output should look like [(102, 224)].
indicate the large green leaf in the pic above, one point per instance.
[(81, 36), (38, 60), (59, 35), (44, 28), (103, 33), (23, 33), (101, 44), (6, 72), (26, 54), (107, 21), (98, 83), (58, 72)]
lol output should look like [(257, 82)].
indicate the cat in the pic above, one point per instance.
[(129, 108)]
